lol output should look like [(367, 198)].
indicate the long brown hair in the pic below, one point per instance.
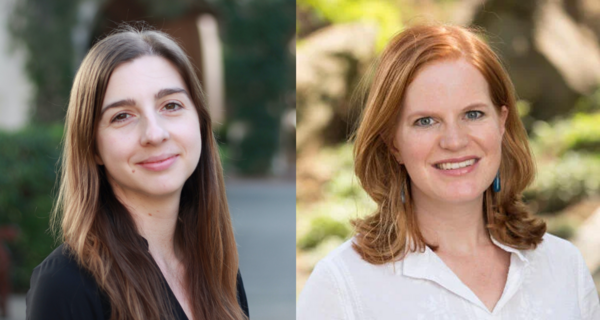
[(98, 229), (392, 230)]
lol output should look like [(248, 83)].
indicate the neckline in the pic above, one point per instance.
[(427, 265), (177, 308)]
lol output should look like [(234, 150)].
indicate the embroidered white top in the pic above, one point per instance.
[(550, 282)]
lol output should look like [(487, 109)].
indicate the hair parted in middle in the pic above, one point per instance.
[(99, 230), (392, 230)]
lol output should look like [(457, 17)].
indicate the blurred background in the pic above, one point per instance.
[(551, 49), (244, 52)]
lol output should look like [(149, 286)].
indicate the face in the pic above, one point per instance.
[(450, 134), (148, 137)]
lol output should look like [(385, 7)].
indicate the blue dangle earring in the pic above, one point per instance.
[(496, 183)]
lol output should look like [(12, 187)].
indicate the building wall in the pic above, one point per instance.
[(15, 89)]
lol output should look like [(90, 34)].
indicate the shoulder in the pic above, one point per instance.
[(327, 270), (345, 262), (556, 253), (60, 286), (560, 259), (343, 256), (553, 242), (241, 295), (556, 249), (330, 291), (59, 266)]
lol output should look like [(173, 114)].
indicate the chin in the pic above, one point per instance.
[(162, 192), (463, 199), (463, 196), (161, 189)]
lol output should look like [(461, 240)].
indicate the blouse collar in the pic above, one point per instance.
[(428, 266)]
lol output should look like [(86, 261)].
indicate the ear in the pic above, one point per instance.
[(502, 118), (393, 149)]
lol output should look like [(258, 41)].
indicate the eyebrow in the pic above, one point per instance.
[(169, 91), (426, 112), (130, 102)]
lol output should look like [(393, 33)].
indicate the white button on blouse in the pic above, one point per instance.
[(550, 282)]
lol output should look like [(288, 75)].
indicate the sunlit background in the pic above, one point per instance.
[(245, 56), (552, 52)]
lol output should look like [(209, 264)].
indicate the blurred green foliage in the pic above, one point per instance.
[(579, 132), (342, 199), (44, 29), (590, 103), (385, 14), (565, 180), (28, 159), (259, 67), (259, 76), (567, 153), (321, 228)]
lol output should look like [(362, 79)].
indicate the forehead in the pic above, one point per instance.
[(141, 77), (447, 84)]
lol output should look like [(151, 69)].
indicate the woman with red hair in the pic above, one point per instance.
[(441, 150)]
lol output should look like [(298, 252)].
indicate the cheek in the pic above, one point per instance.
[(114, 150), (415, 147), (491, 139), (192, 137), (197, 142)]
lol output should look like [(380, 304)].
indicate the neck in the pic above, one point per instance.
[(155, 219), (457, 228)]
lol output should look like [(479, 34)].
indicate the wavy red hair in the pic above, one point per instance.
[(392, 230)]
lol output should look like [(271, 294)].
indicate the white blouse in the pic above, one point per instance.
[(550, 282)]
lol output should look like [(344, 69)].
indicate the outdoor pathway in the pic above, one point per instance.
[(264, 219), (16, 307)]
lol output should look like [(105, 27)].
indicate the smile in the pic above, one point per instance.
[(455, 165), (158, 164)]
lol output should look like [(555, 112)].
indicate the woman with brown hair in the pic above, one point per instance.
[(142, 205), (441, 150)]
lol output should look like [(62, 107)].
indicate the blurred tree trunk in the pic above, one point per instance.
[(549, 47)]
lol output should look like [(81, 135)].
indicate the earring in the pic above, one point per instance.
[(496, 183)]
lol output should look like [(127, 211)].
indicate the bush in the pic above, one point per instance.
[(580, 133), (564, 181), (342, 199), (323, 227), (567, 153), (28, 159)]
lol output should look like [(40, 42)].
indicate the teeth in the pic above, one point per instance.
[(455, 165)]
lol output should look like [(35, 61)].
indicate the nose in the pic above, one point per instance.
[(454, 137), (153, 131)]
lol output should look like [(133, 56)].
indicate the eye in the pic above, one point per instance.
[(120, 117), (172, 106), (424, 122), (474, 114)]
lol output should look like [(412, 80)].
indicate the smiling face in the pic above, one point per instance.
[(449, 135), (148, 137)]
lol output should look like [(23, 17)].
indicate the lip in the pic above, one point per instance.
[(454, 160), (158, 163), (459, 171)]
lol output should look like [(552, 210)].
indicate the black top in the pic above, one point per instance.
[(61, 289)]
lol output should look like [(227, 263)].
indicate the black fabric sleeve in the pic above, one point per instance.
[(61, 290), (241, 295)]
